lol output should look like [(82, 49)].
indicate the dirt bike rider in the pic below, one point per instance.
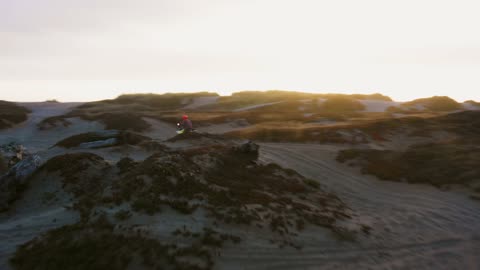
[(186, 124)]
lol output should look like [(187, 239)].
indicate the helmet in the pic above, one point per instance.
[(185, 117)]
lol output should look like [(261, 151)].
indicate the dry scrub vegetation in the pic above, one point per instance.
[(440, 163), (225, 180), (121, 138), (464, 125), (432, 104), (12, 114), (436, 164), (98, 245)]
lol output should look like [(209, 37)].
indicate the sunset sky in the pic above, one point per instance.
[(96, 49)]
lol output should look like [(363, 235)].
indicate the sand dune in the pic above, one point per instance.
[(28, 134), (412, 226), (378, 105)]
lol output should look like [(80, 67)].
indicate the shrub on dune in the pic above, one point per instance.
[(341, 104), (376, 96), (296, 134), (3, 165), (11, 114), (435, 104), (166, 101), (52, 122), (437, 164), (124, 121), (121, 138)]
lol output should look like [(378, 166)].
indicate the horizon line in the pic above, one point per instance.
[(224, 95)]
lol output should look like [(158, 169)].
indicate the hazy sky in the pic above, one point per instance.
[(95, 49)]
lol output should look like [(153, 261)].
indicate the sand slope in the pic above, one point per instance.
[(201, 101), (414, 226), (28, 134), (378, 105)]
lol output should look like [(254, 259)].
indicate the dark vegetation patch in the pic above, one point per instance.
[(376, 96), (118, 120), (12, 114), (15, 167), (465, 126), (85, 175), (52, 122), (436, 164), (434, 104), (48, 197), (122, 121), (98, 246), (71, 164), (453, 160), (11, 192), (195, 136), (121, 138), (3, 165), (341, 104), (166, 102), (208, 237), (52, 101), (123, 215), (76, 140), (231, 186), (227, 182), (11, 189), (126, 164), (290, 134)]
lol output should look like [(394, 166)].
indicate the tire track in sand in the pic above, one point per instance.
[(413, 226)]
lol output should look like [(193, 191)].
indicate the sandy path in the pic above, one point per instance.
[(201, 101), (256, 106), (160, 130), (378, 105), (34, 139), (414, 226)]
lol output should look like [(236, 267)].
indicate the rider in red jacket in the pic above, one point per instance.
[(186, 124)]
